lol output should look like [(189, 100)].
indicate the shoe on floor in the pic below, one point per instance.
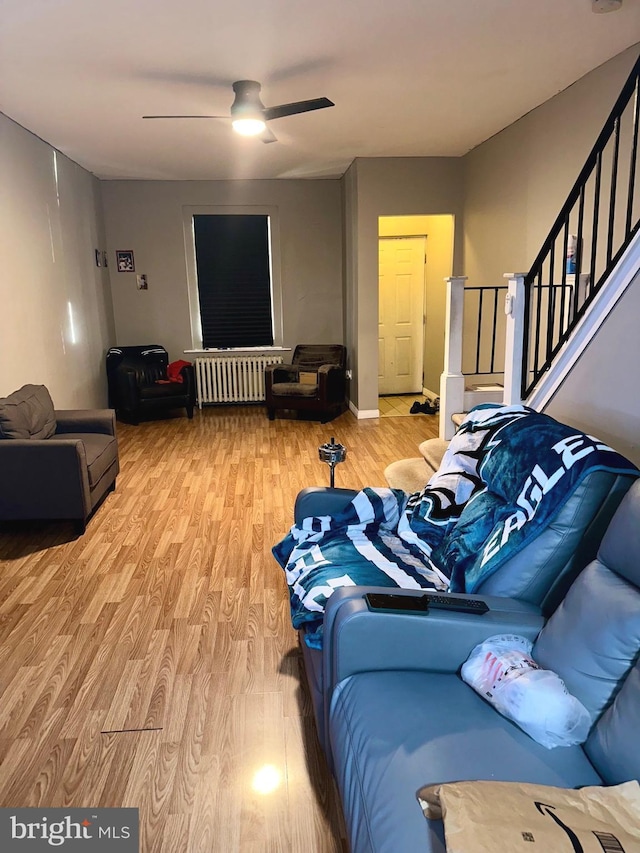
[(415, 408)]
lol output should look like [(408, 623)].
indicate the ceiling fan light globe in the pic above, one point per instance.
[(248, 126)]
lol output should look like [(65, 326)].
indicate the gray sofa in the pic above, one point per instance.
[(398, 715), (54, 464)]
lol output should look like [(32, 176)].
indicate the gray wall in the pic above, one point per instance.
[(600, 395), (56, 319), (515, 185), (350, 224), (147, 217), (517, 181)]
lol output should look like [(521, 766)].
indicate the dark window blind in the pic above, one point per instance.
[(234, 284)]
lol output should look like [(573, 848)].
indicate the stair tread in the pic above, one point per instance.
[(410, 475), (433, 449)]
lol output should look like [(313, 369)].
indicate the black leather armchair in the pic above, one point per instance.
[(134, 389), (315, 381)]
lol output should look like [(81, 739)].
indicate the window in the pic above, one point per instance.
[(233, 278)]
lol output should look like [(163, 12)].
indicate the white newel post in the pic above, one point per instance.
[(514, 340), (452, 380)]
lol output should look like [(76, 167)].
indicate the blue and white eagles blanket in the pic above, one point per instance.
[(506, 474)]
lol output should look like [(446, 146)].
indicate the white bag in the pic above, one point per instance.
[(485, 817), (503, 672)]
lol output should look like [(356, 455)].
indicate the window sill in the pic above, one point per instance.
[(235, 350)]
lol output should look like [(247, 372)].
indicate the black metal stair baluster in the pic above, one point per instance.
[(579, 250), (632, 162), (525, 386), (493, 330), (478, 342), (596, 218), (538, 323), (614, 188), (563, 293), (551, 303)]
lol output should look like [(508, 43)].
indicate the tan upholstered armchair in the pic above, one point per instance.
[(315, 381)]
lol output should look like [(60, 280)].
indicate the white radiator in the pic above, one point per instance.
[(232, 379)]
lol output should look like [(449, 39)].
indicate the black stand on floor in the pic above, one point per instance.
[(332, 454)]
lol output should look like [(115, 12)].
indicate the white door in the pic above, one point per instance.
[(401, 314)]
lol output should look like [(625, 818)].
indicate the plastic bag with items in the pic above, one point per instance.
[(503, 672)]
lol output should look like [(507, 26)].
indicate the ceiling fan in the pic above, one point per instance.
[(249, 115)]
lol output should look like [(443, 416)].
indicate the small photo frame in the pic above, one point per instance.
[(142, 283), (124, 260), (98, 258)]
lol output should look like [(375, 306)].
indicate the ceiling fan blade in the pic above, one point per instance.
[(268, 135), (298, 107), (224, 117)]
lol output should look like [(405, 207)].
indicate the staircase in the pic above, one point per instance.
[(590, 257)]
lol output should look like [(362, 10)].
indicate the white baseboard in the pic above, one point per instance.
[(362, 414), (427, 392)]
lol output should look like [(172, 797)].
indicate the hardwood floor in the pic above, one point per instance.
[(399, 406), (151, 662)]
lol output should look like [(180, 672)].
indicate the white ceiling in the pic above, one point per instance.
[(408, 77)]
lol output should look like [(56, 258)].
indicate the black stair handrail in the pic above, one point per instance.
[(545, 335)]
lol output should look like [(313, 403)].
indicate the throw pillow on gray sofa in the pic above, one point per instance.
[(27, 413)]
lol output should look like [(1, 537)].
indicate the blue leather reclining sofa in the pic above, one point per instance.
[(393, 713)]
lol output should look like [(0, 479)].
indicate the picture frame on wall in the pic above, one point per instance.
[(124, 260)]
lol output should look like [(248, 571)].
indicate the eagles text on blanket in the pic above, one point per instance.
[(570, 450)]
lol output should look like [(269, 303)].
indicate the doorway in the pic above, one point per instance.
[(401, 270), (437, 233)]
